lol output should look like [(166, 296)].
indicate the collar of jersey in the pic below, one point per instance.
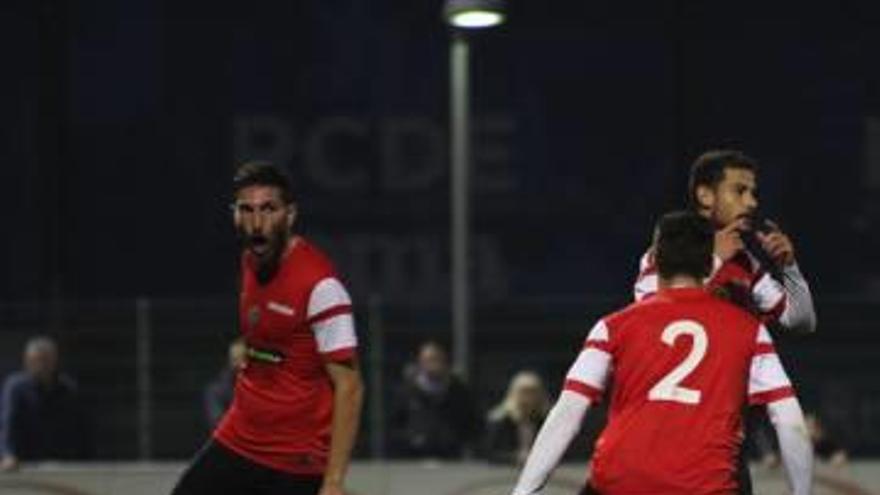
[(684, 292)]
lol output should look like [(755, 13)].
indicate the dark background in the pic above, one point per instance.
[(123, 122)]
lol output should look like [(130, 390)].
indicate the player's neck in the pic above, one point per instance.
[(679, 282), (707, 214)]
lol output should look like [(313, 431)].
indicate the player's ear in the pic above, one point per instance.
[(291, 215), (236, 216), (705, 197)]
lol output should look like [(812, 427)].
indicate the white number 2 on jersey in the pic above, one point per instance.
[(668, 388)]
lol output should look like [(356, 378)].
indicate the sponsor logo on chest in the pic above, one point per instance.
[(280, 308)]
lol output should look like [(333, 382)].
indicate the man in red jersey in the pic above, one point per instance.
[(294, 417), (723, 187), (682, 363), (754, 264)]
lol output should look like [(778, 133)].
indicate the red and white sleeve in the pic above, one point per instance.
[(588, 374), (769, 297), (768, 381), (646, 283), (330, 318)]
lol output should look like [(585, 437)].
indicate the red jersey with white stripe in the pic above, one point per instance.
[(683, 364), (739, 279), (282, 410)]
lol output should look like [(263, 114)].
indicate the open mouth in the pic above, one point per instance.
[(259, 244)]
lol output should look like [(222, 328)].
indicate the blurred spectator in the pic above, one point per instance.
[(433, 414), (42, 417), (514, 423), (825, 447), (218, 393)]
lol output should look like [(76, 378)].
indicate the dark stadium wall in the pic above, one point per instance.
[(585, 123)]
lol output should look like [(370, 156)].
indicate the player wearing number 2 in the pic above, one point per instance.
[(682, 363), (754, 264)]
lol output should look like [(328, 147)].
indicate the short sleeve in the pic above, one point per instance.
[(768, 381), (646, 283), (769, 296), (330, 318), (588, 374)]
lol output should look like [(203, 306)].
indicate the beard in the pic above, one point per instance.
[(267, 251)]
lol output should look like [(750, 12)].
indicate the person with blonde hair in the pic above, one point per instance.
[(513, 424)]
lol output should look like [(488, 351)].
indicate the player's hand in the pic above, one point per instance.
[(8, 463), (728, 241), (331, 489), (777, 244)]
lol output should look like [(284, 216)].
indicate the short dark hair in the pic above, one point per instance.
[(261, 173), (708, 170), (684, 245)]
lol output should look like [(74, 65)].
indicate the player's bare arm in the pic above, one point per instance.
[(348, 393)]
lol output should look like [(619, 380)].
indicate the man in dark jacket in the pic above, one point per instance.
[(434, 415), (41, 417)]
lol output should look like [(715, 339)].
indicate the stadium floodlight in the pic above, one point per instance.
[(465, 17), (474, 14)]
